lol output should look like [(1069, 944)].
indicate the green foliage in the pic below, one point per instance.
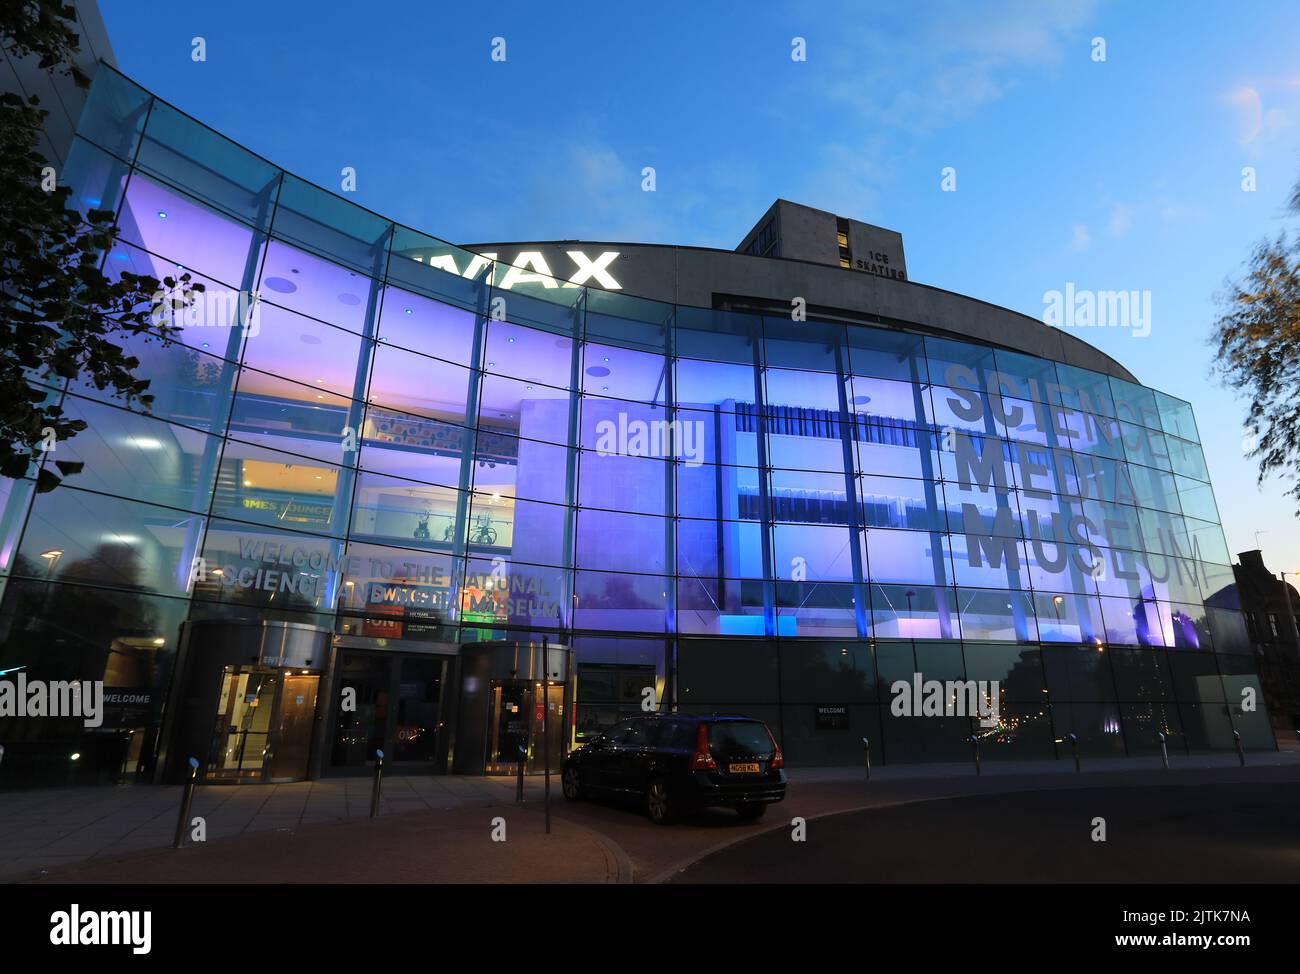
[(59, 312), (42, 28), (1258, 340)]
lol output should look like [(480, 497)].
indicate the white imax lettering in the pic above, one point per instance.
[(73, 928), (22, 697), (530, 267), (588, 269), (662, 438), (950, 698)]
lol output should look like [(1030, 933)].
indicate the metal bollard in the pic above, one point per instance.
[(187, 799), (379, 778), (1241, 755), (866, 746), (519, 785), (1074, 748), (1164, 749), (975, 745)]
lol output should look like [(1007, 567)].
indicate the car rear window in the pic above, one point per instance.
[(738, 738)]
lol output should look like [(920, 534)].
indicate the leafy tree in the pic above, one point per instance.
[(59, 311), (1258, 340)]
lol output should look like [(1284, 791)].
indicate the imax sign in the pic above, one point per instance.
[(529, 267)]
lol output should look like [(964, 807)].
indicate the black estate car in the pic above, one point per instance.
[(676, 762)]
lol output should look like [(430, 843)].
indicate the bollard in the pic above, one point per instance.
[(519, 787), (546, 731), (1074, 747), (975, 745), (379, 778), (1241, 755), (187, 798), (1164, 749), (866, 746)]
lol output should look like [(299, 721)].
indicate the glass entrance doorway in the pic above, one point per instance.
[(392, 702), (263, 725), (515, 719)]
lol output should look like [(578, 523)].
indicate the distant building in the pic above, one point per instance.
[(1271, 607)]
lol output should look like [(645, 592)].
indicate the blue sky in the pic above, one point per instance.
[(1117, 175)]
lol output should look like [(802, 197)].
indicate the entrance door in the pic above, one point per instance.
[(263, 725), (515, 715), (390, 702), (291, 742)]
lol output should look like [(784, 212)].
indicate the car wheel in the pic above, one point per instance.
[(571, 783), (751, 813), (659, 804)]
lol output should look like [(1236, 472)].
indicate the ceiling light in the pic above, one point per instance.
[(162, 214)]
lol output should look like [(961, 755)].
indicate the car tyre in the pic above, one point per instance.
[(751, 813), (571, 784), (659, 802)]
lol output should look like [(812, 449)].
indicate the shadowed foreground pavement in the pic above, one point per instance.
[(1209, 822), (419, 847), (1247, 832)]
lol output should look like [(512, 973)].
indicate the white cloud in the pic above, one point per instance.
[(1253, 122), (1121, 218), (941, 61), (1080, 239)]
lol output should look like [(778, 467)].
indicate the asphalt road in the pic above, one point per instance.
[(1243, 832)]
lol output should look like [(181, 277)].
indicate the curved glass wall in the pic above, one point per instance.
[(366, 428)]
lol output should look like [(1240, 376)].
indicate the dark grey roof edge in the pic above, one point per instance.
[(907, 301)]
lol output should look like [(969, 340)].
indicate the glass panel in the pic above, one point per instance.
[(114, 113), (425, 325), (324, 224), (76, 536), (210, 167)]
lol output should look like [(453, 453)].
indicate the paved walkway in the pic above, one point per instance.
[(303, 829), (482, 844), (52, 827)]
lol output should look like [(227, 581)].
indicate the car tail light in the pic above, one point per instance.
[(778, 759), (702, 760)]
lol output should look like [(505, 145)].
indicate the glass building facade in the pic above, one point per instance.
[(399, 441)]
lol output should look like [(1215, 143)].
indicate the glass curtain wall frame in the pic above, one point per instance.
[(809, 434)]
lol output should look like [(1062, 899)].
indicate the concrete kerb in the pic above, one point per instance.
[(623, 871)]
